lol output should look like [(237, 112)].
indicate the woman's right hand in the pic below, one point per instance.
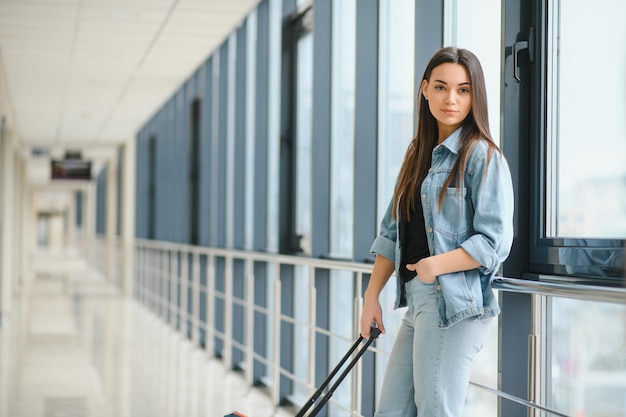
[(372, 313)]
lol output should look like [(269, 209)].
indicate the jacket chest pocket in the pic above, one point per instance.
[(454, 218)]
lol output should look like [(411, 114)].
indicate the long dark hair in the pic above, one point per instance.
[(475, 128)]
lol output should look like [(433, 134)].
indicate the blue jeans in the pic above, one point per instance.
[(428, 371)]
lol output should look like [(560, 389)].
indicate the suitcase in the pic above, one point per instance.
[(326, 395)]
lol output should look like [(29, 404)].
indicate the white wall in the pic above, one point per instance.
[(11, 180)]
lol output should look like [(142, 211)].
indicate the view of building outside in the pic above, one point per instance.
[(588, 358), (396, 95), (587, 194), (588, 128)]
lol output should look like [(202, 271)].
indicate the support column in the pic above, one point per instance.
[(90, 223), (128, 216), (24, 226), (30, 235), (70, 219), (111, 222), (7, 217)]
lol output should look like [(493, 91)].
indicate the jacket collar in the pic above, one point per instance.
[(453, 142)]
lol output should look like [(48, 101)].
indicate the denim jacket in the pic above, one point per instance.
[(477, 217)]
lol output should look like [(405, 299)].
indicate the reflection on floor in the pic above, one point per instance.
[(76, 348)]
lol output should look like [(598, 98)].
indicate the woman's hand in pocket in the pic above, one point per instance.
[(424, 270)]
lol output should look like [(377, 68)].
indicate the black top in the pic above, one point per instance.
[(414, 240)]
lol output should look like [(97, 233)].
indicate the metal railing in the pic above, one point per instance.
[(554, 289), (182, 284), (160, 272)]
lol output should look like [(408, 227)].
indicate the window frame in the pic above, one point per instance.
[(544, 251)]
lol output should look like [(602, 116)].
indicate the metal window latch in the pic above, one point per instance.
[(525, 41)]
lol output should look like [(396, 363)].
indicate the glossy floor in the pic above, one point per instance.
[(74, 347)]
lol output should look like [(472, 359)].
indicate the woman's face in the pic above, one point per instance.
[(449, 95)]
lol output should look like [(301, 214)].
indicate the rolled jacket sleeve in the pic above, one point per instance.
[(385, 242), (492, 198)]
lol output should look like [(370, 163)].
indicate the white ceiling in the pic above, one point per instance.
[(89, 73)]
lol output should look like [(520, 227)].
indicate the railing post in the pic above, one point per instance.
[(184, 292), (228, 313), (277, 320), (144, 275), (154, 262), (195, 297), (173, 295), (249, 322), (137, 273), (164, 285), (149, 278), (210, 305), (312, 329), (536, 352)]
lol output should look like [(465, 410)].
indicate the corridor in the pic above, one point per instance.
[(77, 348)]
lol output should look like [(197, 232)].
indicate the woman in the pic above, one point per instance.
[(446, 231)]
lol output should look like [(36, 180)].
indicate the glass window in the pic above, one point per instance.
[(230, 139), (273, 134), (251, 51), (586, 200), (214, 144), (304, 130), (483, 40), (588, 369), (342, 125), (194, 171), (152, 186), (586, 124), (396, 92)]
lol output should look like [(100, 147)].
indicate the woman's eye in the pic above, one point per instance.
[(439, 87), (464, 90)]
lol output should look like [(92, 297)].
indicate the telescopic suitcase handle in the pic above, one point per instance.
[(374, 333)]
